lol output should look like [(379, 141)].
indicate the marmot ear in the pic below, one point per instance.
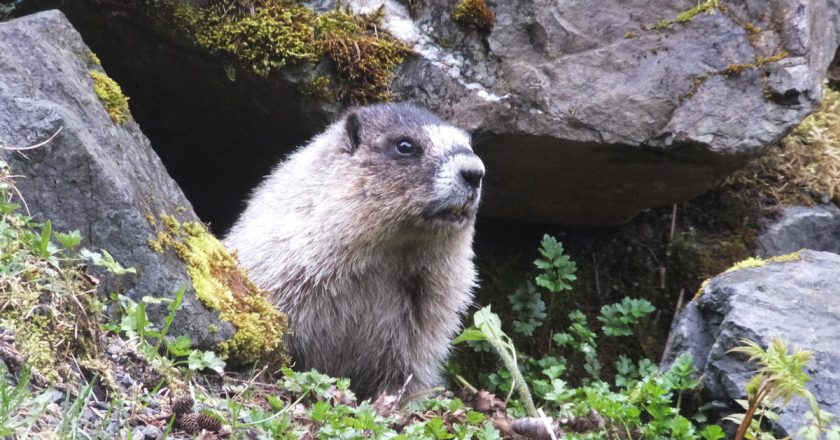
[(353, 127)]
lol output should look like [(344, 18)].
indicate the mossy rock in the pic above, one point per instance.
[(110, 94), (267, 35), (222, 286)]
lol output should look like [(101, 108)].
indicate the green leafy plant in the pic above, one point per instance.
[(19, 408), (488, 327), (529, 307), (618, 319), (780, 378), (558, 269), (644, 403), (134, 323)]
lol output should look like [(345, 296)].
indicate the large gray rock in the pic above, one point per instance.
[(801, 227), (797, 301), (582, 115), (95, 176), (587, 118)]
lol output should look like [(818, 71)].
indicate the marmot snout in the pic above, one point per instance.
[(364, 238)]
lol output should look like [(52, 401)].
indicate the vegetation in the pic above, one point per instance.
[(705, 7), (48, 304), (110, 94), (640, 402), (187, 394), (780, 378), (474, 13), (270, 34), (222, 285), (804, 167)]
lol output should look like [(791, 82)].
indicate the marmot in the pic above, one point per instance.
[(363, 237)]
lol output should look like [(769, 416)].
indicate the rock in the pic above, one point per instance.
[(584, 114), (801, 227), (587, 115), (797, 301), (151, 433), (95, 175)]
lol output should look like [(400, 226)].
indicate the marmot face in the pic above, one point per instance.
[(433, 176)]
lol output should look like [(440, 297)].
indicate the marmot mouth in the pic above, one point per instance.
[(454, 214)]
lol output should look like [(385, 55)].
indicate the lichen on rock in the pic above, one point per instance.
[(221, 285), (111, 95)]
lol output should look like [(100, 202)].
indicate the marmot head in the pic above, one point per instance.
[(419, 171)]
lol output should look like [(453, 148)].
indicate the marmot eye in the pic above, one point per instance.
[(405, 147)]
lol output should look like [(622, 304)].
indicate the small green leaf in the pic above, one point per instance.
[(469, 334), (199, 360), (474, 417), (180, 346), (712, 432), (69, 240)]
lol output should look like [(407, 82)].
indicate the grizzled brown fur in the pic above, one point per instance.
[(364, 238)]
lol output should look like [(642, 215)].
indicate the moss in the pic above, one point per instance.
[(805, 167), (364, 60), (271, 34), (760, 61), (737, 69), (707, 7), (474, 13), (47, 301), (94, 58), (274, 36), (220, 284), (322, 87), (751, 263), (111, 96)]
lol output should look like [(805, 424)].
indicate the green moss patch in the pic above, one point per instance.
[(220, 284), (48, 304), (270, 34), (474, 13), (751, 263), (111, 96), (805, 166), (705, 7)]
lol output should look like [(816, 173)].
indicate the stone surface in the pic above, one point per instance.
[(801, 227), (797, 301), (95, 176), (586, 117)]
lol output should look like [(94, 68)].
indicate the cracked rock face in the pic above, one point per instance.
[(797, 301), (586, 114)]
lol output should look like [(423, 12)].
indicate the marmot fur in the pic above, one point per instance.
[(364, 239)]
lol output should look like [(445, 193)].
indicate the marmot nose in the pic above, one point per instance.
[(472, 176)]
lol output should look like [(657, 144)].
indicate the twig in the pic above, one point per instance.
[(670, 339), (673, 223), (38, 145), (466, 384)]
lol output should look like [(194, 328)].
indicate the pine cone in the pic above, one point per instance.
[(208, 422), (189, 423), (182, 404)]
